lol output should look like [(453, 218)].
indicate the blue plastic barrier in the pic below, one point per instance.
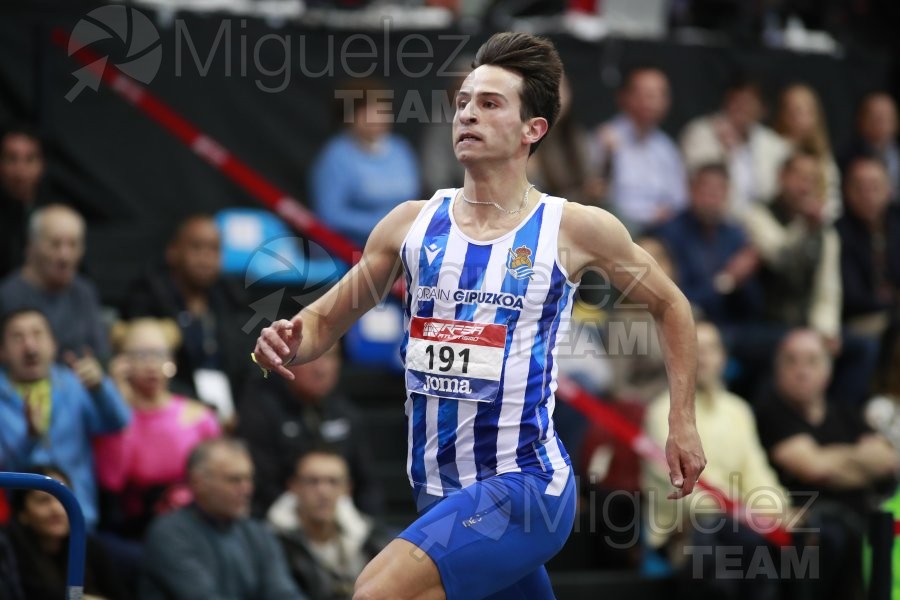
[(77, 535)]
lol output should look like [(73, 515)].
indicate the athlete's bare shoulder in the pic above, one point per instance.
[(590, 237), (392, 229), (579, 220)]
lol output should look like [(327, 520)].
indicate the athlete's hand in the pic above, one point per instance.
[(278, 344), (684, 453)]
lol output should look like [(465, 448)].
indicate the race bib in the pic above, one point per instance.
[(459, 360)]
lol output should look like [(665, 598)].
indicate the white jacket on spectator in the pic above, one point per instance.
[(753, 167), (776, 242)]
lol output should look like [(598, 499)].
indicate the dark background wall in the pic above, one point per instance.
[(134, 181)]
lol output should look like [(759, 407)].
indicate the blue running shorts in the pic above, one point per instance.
[(491, 539)]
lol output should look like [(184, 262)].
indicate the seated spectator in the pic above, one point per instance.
[(717, 271), (870, 249), (714, 259), (21, 173), (646, 176), (737, 466), (801, 121), (49, 280), (736, 137), (326, 540), (823, 449), (364, 171), (560, 168), (882, 411), (209, 311), (211, 549), (801, 273), (142, 466), (282, 419), (39, 532), (800, 252), (876, 136), (50, 412)]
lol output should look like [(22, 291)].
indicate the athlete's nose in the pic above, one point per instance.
[(467, 114)]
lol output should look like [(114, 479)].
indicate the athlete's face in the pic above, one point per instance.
[(488, 122)]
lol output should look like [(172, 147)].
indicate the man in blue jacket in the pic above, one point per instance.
[(49, 411)]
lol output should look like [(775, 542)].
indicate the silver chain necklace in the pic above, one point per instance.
[(497, 206)]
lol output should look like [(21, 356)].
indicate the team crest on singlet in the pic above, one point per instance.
[(519, 264)]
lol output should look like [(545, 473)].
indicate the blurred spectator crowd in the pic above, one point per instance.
[(200, 480)]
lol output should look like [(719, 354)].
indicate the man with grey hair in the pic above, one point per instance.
[(49, 280), (211, 548)]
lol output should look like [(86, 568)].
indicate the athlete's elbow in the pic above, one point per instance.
[(672, 307)]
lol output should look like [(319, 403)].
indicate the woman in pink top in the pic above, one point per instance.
[(142, 468)]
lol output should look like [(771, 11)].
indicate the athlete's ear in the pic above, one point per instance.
[(534, 129)]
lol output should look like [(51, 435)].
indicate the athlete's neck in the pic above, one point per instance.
[(505, 187)]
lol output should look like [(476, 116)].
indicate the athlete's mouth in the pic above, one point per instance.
[(467, 137)]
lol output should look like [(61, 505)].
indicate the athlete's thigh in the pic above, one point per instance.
[(401, 571), (494, 533)]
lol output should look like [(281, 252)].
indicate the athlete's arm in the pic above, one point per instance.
[(592, 239), (317, 327)]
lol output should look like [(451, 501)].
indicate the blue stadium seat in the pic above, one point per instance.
[(260, 247)]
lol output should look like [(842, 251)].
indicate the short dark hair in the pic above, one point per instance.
[(865, 157), (635, 70), (536, 60), (23, 129), (15, 313), (320, 448), (181, 226), (872, 96), (200, 454), (710, 168), (20, 496), (794, 157), (743, 82)]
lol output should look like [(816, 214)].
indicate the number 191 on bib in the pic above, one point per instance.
[(459, 360)]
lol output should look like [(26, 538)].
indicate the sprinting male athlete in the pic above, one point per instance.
[(490, 272)]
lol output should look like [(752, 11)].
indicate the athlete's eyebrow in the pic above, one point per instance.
[(465, 94)]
